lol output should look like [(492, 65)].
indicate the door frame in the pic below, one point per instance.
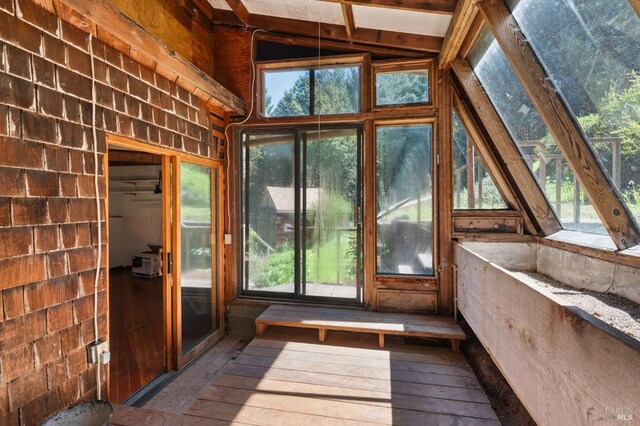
[(174, 359)]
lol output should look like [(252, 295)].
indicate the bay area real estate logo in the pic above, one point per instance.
[(621, 414)]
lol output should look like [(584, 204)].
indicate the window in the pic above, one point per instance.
[(312, 89), (401, 84), (404, 198), (591, 50), (473, 186), (532, 137)]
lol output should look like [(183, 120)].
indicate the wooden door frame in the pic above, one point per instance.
[(170, 209)]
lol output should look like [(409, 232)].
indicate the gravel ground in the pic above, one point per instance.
[(616, 311)]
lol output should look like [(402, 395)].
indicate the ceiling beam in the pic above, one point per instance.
[(325, 44), (104, 20), (636, 5), (349, 22), (462, 21), (433, 6), (239, 10), (561, 124), (338, 32), (524, 182)]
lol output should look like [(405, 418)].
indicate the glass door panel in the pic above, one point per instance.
[(330, 199), (269, 213), (198, 185)]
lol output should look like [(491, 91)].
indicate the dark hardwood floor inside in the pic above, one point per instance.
[(136, 335)]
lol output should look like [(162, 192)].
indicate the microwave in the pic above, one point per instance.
[(146, 265)]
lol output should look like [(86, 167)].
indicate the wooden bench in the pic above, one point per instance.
[(325, 319)]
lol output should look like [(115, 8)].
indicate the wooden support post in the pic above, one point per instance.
[(525, 184), (455, 345), (471, 196), (260, 329), (322, 334), (559, 187), (381, 340), (563, 127)]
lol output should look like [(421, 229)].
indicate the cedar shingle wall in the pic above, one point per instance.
[(47, 213)]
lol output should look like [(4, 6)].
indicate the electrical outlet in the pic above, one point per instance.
[(96, 350), (227, 239)]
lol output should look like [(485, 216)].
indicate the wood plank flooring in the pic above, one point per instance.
[(286, 382), (135, 331)]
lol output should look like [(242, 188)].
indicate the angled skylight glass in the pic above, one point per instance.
[(532, 137), (591, 50)]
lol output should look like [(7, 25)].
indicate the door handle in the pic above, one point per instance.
[(169, 263)]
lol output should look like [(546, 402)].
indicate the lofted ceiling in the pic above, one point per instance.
[(410, 24)]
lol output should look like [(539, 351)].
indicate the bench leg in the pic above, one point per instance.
[(455, 345), (381, 340), (322, 334), (260, 329)]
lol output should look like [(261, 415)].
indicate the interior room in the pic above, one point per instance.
[(397, 212), (137, 341)]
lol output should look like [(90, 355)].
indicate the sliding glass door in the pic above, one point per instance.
[(198, 262), (301, 197)]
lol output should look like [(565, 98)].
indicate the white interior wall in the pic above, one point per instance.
[(133, 225)]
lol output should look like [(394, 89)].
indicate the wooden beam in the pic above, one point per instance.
[(525, 184), (338, 32), (636, 5), (298, 40), (349, 22), (488, 157), (239, 10), (463, 17), (99, 13), (433, 6), (563, 127), (472, 35)]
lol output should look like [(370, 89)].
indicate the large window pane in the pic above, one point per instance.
[(402, 87), (269, 213), (330, 179), (285, 93), (404, 199), (197, 244), (591, 50), (336, 90), (532, 137), (473, 186)]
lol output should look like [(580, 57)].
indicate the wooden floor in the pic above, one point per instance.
[(135, 331), (278, 381), (325, 319)]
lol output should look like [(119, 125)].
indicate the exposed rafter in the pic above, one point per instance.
[(405, 41), (433, 6), (463, 17), (239, 10), (636, 5), (325, 44), (524, 181), (490, 160), (565, 130), (349, 22)]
